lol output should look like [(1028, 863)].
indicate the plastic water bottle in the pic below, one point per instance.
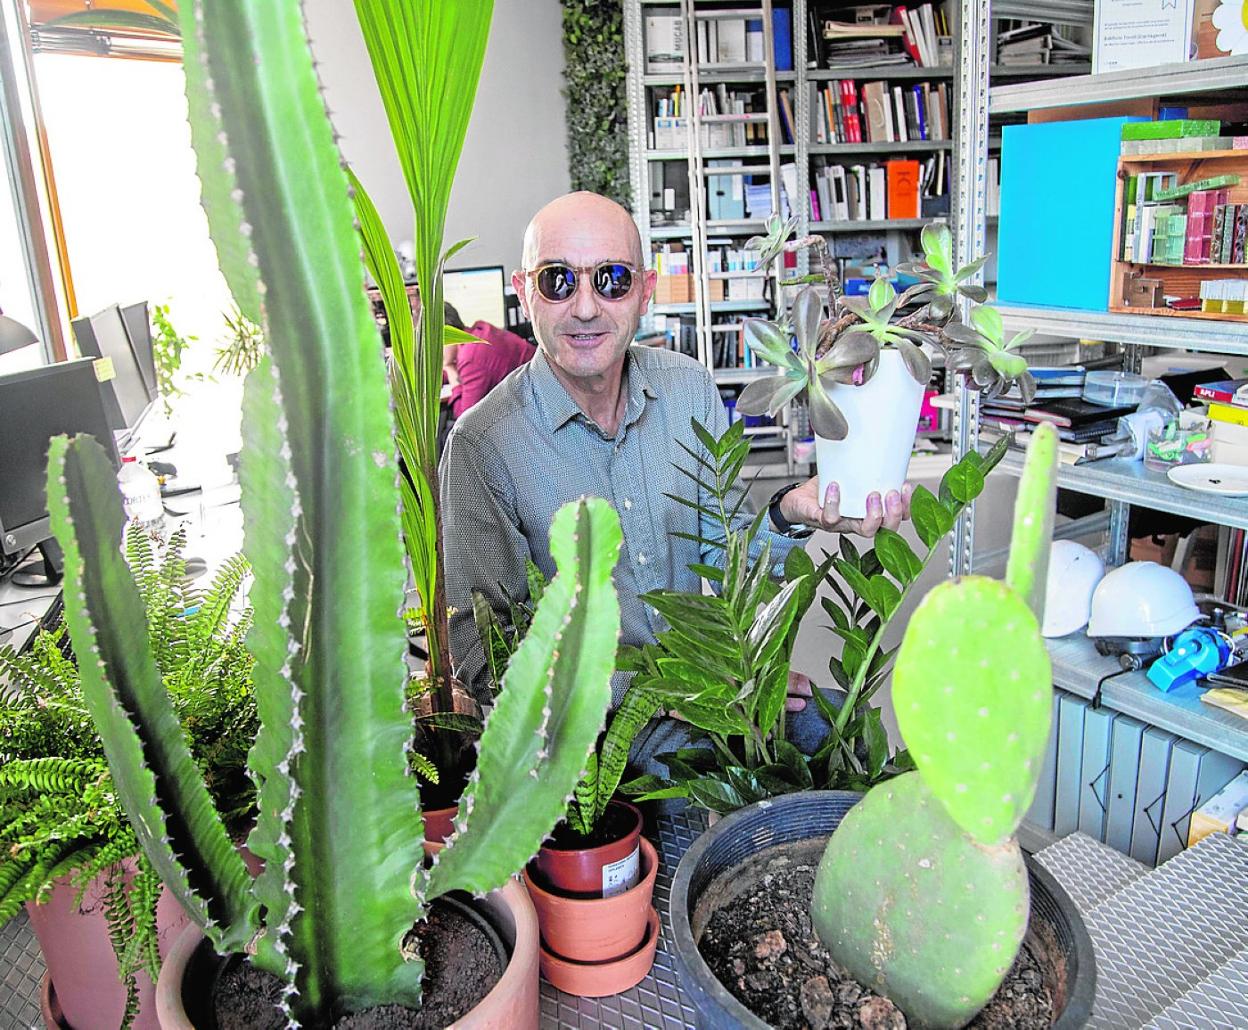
[(140, 494)]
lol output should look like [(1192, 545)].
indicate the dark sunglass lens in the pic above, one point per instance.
[(556, 282), (613, 281)]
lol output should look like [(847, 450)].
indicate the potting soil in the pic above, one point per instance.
[(763, 947), (461, 966)]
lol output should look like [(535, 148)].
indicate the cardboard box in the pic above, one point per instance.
[(1216, 814), (1230, 443), (679, 289)]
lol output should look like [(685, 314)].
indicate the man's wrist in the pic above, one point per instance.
[(782, 525)]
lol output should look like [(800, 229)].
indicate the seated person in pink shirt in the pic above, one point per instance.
[(474, 369)]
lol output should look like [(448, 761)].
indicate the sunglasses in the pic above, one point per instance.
[(556, 282)]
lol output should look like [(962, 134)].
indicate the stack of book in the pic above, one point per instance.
[(879, 112), (1030, 43), (875, 192), (1193, 224), (1177, 135), (1228, 418), (1083, 428), (880, 34)]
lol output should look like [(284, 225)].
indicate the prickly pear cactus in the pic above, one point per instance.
[(973, 697), (936, 926), (922, 893)]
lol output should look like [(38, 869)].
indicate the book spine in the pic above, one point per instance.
[(1228, 234), (1241, 234)]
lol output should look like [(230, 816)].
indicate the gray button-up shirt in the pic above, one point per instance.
[(527, 449)]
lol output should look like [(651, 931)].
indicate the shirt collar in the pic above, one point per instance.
[(557, 405)]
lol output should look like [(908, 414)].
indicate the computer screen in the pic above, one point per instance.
[(476, 293), (139, 329), (34, 407), (126, 393)]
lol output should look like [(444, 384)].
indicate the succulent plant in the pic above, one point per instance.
[(339, 825), (772, 244), (993, 363), (936, 924), (846, 348), (939, 282)]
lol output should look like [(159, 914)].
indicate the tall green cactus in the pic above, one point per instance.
[(937, 921), (339, 825)]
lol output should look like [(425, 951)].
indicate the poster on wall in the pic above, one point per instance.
[(1141, 33)]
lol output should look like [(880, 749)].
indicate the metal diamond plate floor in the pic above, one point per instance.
[(1171, 944), (21, 968)]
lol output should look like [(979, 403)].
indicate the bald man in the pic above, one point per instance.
[(593, 415)]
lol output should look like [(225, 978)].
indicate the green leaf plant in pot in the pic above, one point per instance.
[(731, 711), (350, 907), (426, 57), (863, 370), (723, 663), (592, 881), (936, 925), (66, 850)]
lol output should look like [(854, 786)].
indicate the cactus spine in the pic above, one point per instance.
[(339, 824), (938, 922)]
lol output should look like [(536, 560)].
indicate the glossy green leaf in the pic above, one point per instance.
[(897, 557), (931, 519)]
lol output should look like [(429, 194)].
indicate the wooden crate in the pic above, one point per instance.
[(1175, 279)]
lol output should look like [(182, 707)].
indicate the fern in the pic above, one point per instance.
[(60, 817)]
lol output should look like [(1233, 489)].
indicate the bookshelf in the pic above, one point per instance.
[(1077, 667)]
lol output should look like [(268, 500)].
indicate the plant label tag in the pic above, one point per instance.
[(621, 876), (104, 370)]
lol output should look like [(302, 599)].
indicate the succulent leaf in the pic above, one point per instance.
[(755, 399), (988, 321), (826, 419), (1034, 510), (807, 312), (767, 340), (973, 696), (934, 926)]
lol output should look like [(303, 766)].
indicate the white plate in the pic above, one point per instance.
[(1215, 478)]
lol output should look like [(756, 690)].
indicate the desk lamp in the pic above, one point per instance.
[(14, 335)]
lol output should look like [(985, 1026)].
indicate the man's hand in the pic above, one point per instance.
[(799, 691), (802, 506)]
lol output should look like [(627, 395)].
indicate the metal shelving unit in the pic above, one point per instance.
[(1076, 665)]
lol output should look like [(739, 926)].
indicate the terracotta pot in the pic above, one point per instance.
[(597, 929), (598, 979), (439, 823), (599, 872), (511, 1004), (82, 986)]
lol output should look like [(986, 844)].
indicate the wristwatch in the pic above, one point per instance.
[(782, 525)]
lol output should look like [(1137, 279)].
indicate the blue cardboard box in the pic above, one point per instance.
[(1056, 234)]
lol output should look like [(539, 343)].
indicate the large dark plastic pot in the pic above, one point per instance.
[(817, 813)]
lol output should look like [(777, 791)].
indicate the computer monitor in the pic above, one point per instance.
[(139, 329), (35, 406), (476, 293), (126, 394)]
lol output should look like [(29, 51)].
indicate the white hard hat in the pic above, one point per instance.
[(1142, 599), (1074, 572)]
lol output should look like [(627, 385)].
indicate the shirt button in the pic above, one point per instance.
[(641, 559), (628, 503)]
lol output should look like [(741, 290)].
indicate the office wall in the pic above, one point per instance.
[(515, 157)]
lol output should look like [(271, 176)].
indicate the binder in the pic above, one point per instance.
[(1124, 772), (1094, 782), (1150, 792), (1041, 812), (1070, 715), (1216, 771), (1176, 813)]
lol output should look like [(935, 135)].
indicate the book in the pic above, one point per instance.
[(1172, 128), (878, 193), (1240, 235), (1232, 414), (1225, 248), (1072, 412), (782, 37), (665, 43), (1222, 391), (875, 101), (903, 189)]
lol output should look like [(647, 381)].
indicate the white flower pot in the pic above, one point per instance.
[(883, 416)]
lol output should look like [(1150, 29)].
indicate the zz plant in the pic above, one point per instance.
[(937, 922), (844, 349), (60, 816), (339, 826)]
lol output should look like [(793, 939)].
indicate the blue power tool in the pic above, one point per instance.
[(1193, 654)]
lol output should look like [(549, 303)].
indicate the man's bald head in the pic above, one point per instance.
[(587, 219)]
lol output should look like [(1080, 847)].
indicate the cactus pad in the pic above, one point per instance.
[(917, 910), (973, 693)]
